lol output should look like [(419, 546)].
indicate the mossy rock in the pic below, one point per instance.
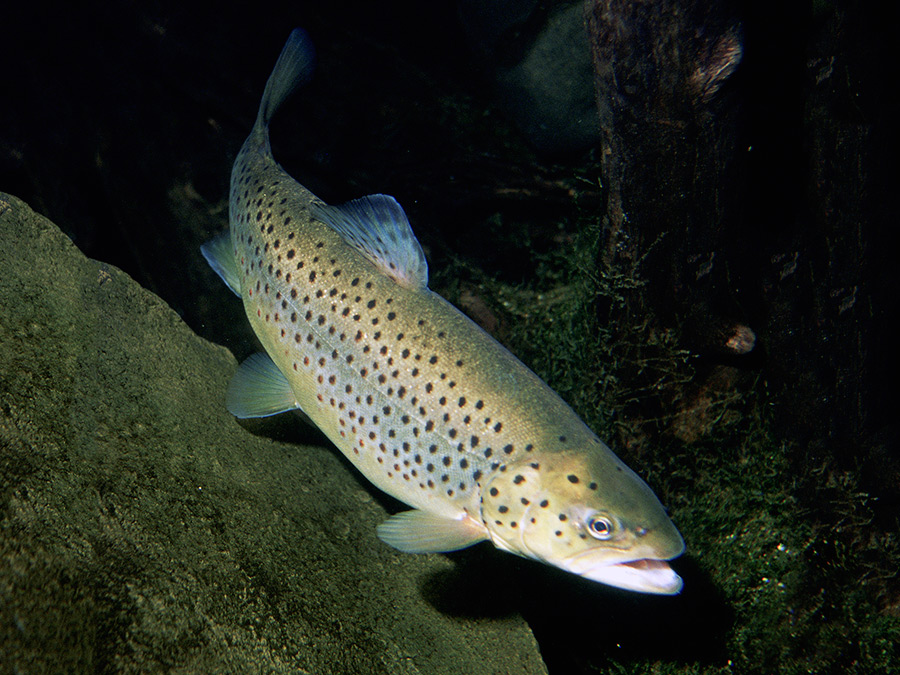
[(143, 529)]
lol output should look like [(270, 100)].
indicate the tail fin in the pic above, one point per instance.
[(293, 68)]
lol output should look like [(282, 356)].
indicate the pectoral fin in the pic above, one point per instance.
[(422, 532)]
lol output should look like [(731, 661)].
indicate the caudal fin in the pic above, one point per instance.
[(293, 68)]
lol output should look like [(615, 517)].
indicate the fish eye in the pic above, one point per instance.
[(600, 527)]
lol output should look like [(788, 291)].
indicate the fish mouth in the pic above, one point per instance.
[(644, 575)]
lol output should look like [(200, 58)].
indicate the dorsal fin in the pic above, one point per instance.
[(378, 228)]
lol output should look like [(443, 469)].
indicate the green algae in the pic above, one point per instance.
[(795, 560)]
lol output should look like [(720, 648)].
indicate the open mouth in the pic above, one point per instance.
[(645, 576), (647, 565)]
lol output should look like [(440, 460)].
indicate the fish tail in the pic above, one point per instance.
[(293, 69)]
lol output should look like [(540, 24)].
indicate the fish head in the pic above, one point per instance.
[(587, 513)]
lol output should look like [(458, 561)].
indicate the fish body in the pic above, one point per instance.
[(427, 405)]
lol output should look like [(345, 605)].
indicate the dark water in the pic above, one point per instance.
[(120, 122)]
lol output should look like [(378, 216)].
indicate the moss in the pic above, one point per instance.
[(795, 556)]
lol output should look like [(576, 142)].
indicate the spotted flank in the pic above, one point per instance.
[(428, 406)]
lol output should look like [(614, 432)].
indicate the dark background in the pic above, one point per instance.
[(119, 121)]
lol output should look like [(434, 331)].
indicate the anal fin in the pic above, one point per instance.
[(422, 532), (220, 256)]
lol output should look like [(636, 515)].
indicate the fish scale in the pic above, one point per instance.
[(428, 406), (392, 384)]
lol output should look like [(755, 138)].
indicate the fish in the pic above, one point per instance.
[(428, 406)]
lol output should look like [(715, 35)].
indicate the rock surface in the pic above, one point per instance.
[(143, 529), (539, 60)]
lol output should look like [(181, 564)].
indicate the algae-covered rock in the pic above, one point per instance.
[(143, 529)]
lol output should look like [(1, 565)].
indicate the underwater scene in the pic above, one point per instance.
[(478, 336)]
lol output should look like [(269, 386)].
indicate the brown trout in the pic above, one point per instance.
[(427, 405)]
